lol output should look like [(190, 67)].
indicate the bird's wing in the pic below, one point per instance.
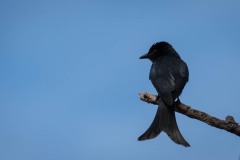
[(164, 84)]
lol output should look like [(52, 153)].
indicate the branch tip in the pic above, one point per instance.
[(229, 124)]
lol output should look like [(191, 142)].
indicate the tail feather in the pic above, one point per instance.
[(164, 120)]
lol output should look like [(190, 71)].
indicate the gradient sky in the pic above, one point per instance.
[(70, 77)]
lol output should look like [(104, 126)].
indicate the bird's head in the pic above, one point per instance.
[(158, 49)]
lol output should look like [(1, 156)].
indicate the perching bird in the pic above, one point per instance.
[(168, 74)]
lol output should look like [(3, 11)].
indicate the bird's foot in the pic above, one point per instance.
[(158, 97), (178, 101)]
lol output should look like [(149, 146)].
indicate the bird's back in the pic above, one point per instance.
[(169, 74)]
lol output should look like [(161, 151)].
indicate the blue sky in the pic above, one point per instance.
[(70, 77)]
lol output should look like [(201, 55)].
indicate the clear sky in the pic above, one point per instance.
[(70, 77)]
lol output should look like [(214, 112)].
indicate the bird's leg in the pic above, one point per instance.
[(178, 101), (158, 97)]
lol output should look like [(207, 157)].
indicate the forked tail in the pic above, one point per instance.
[(164, 120)]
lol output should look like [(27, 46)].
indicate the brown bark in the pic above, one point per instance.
[(228, 124)]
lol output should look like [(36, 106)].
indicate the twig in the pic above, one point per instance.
[(228, 124)]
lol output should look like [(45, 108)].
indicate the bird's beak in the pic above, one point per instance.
[(144, 56)]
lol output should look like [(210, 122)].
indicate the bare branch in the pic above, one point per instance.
[(228, 124)]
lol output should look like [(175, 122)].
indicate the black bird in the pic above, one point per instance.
[(168, 74)]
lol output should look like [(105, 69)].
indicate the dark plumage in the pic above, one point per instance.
[(168, 74)]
